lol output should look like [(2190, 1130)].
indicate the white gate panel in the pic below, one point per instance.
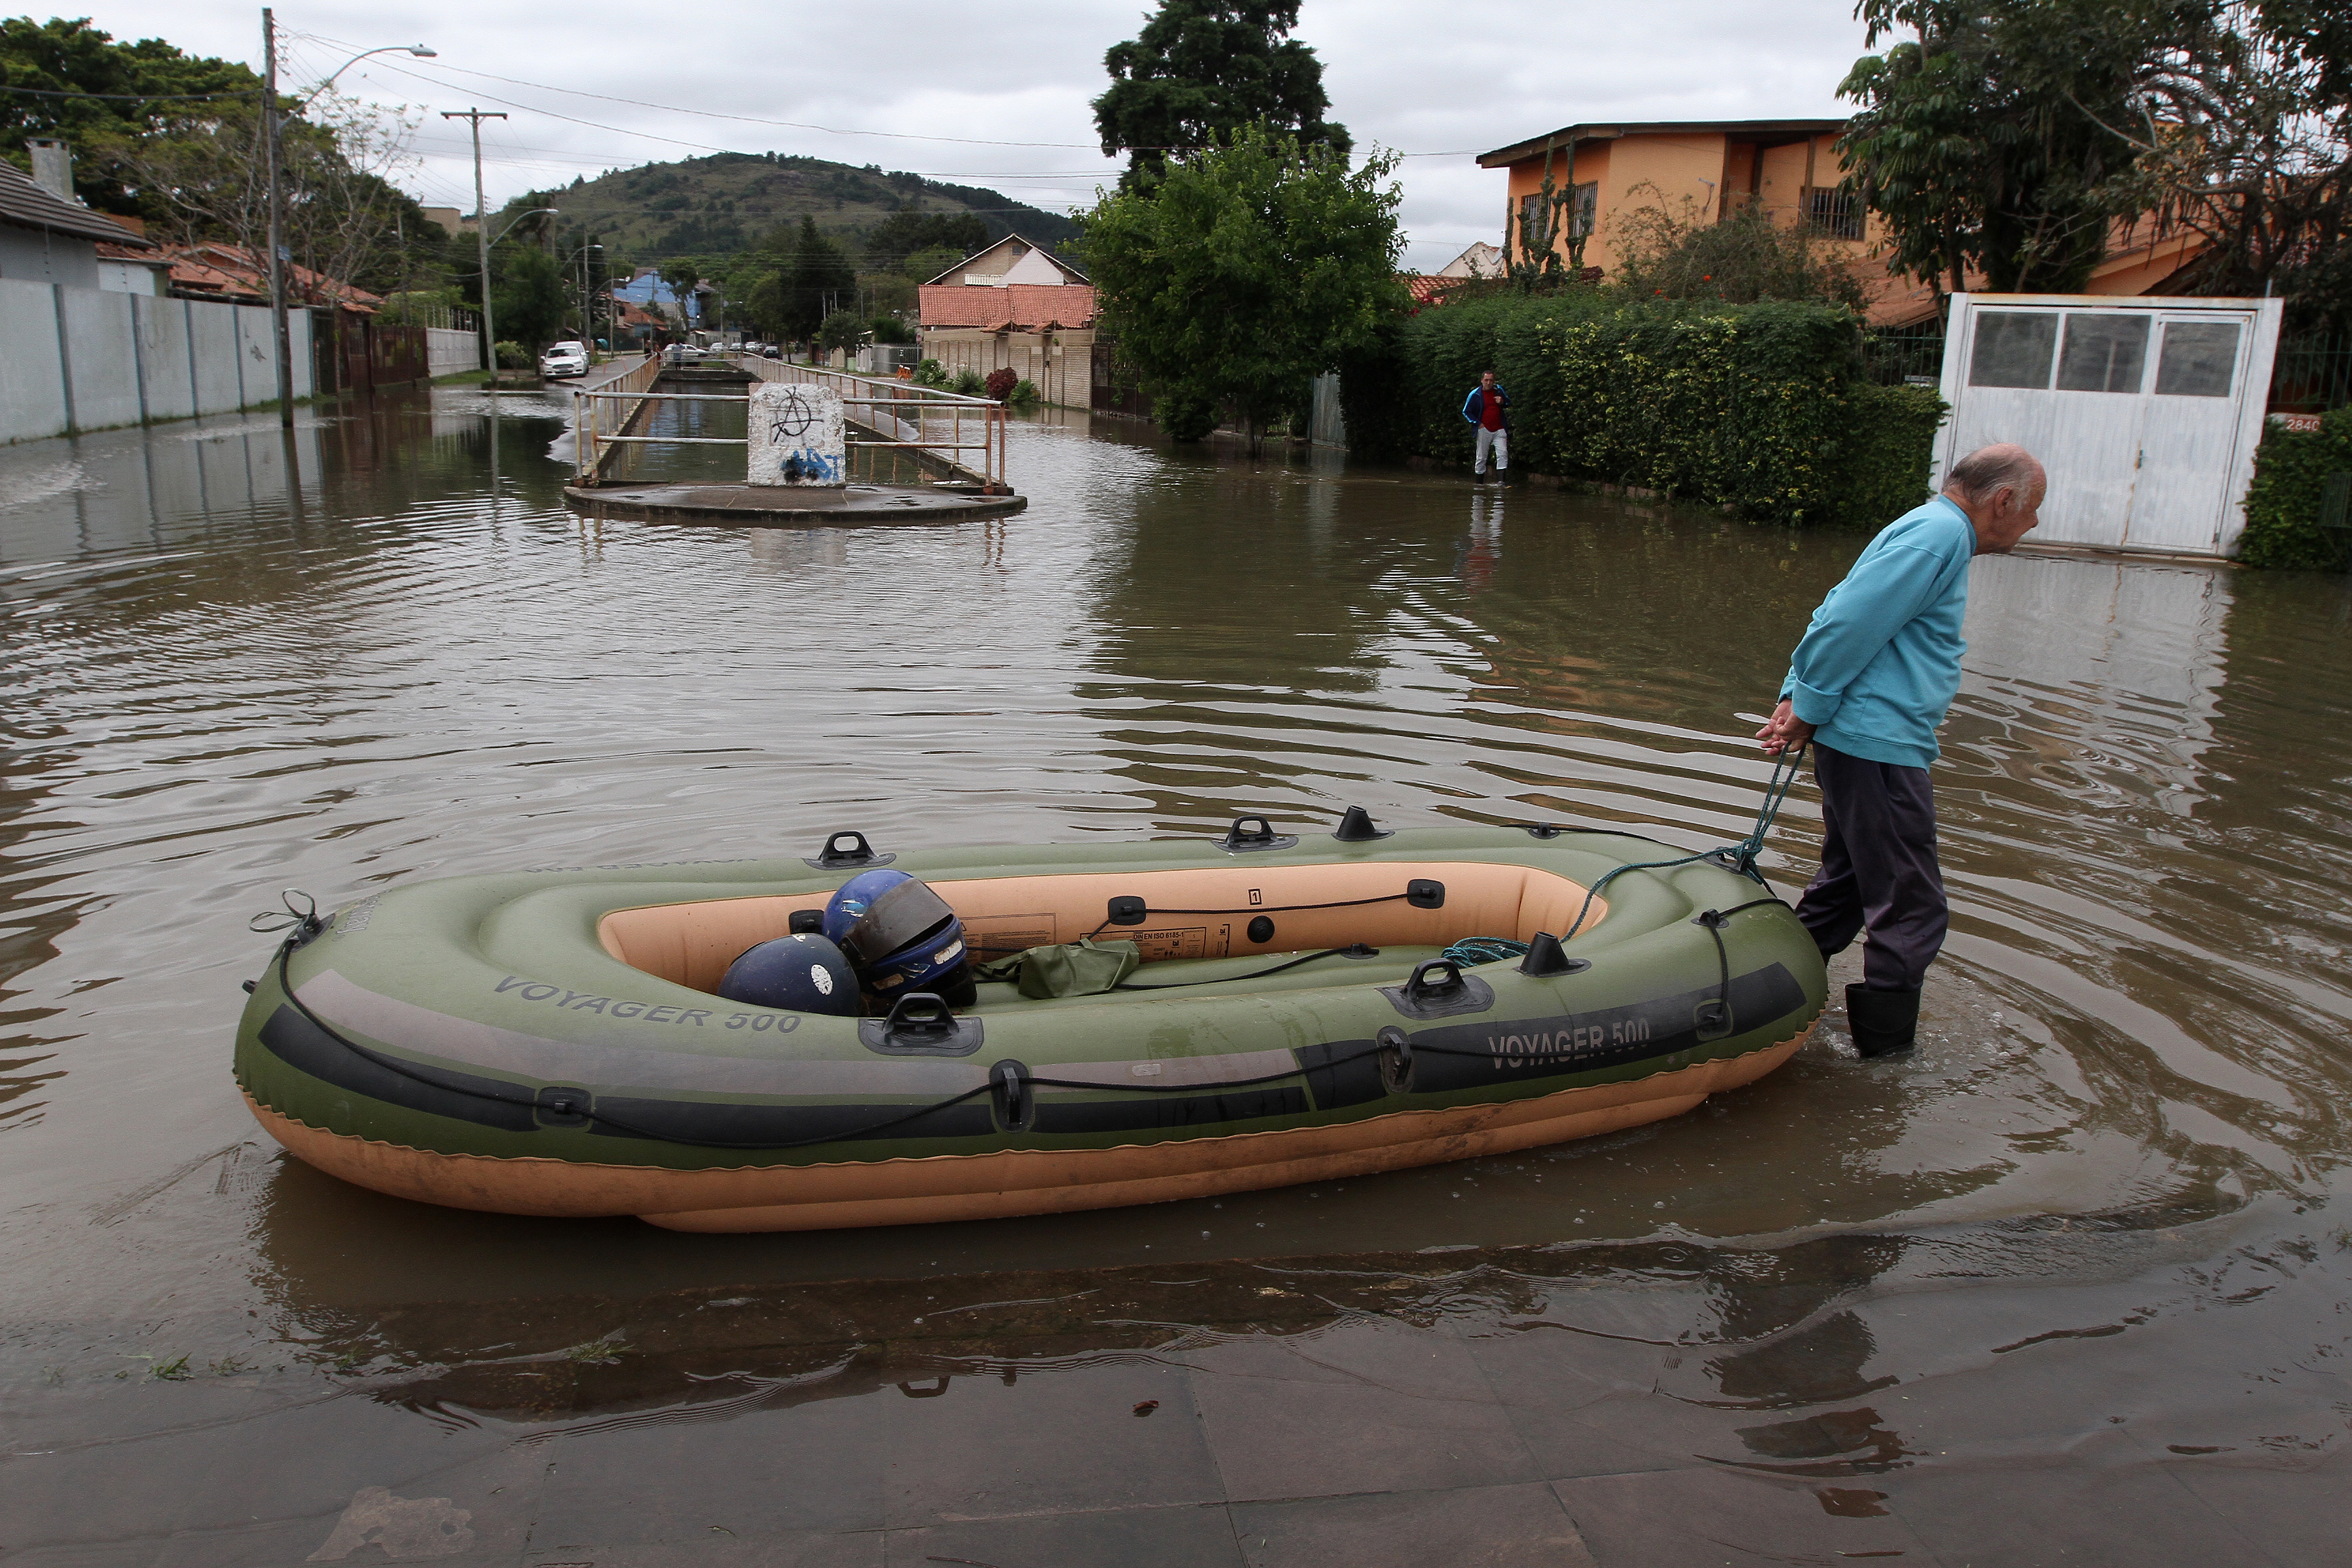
[(2147, 431)]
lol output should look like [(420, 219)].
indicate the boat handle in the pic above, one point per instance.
[(858, 852), (1255, 833), (1421, 987), (922, 1013)]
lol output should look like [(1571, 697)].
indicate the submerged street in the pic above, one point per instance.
[(2066, 1286)]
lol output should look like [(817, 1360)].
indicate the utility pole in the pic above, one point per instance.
[(481, 235), (277, 220)]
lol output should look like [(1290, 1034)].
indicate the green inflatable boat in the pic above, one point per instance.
[(550, 1041)]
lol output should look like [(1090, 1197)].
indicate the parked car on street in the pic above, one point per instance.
[(770, 351), (564, 358)]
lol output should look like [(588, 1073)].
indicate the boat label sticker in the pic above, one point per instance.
[(796, 436), (1158, 946)]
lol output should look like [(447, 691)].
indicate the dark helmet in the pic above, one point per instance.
[(900, 936), (798, 974)]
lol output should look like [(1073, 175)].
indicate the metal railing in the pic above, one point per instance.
[(601, 417), (902, 416), (2312, 374), (938, 429)]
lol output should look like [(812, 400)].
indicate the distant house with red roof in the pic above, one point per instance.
[(240, 277), (1017, 304)]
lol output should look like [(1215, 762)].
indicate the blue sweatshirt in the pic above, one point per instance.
[(1881, 661), (1474, 407)]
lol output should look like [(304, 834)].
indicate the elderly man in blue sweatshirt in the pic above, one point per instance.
[(1868, 685)]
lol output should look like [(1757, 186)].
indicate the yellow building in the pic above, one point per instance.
[(1691, 168), (1703, 170)]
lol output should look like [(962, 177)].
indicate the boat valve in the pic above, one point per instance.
[(1545, 958), (1396, 1059)]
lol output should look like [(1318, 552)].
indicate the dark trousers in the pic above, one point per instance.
[(1878, 869)]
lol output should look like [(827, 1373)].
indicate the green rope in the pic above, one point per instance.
[(1743, 854)]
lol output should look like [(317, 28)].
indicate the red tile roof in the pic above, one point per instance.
[(227, 272), (997, 310)]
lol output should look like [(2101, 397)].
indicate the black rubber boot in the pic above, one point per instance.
[(1884, 1023)]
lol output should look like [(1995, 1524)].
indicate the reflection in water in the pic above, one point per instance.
[(2107, 1187)]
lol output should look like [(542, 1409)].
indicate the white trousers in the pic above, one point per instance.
[(1498, 442)]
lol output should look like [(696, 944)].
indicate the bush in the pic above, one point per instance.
[(1024, 394), (929, 374), (1760, 406), (1184, 415), (891, 330), (966, 382), (514, 356), (1890, 441), (2291, 470), (1001, 382)]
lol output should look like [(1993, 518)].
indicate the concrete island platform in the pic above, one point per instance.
[(770, 506)]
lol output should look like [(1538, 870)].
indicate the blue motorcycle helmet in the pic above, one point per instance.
[(797, 973), (900, 937)]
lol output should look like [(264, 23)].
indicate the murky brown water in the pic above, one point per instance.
[(2067, 1286)]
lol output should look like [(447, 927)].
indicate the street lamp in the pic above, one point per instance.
[(271, 123), (587, 313)]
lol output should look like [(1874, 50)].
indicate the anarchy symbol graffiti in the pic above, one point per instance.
[(795, 415)]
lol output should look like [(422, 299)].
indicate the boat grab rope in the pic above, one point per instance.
[(1741, 855)]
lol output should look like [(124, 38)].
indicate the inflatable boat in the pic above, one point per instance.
[(550, 1042)]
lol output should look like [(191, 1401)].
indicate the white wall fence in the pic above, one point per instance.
[(448, 351), (88, 359)]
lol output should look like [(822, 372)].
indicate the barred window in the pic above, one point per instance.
[(1834, 211)]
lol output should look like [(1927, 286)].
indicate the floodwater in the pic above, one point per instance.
[(2066, 1287)]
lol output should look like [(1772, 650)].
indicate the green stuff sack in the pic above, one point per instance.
[(1066, 969)]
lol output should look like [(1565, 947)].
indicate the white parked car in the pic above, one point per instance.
[(564, 359)]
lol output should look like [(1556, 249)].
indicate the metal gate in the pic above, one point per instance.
[(2145, 411)]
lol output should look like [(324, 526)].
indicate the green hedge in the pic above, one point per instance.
[(1761, 406), (2291, 470)]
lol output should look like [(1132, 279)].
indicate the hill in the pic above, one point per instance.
[(710, 208)]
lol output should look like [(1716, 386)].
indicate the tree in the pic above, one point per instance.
[(98, 79), (202, 179), (925, 265), (2014, 136), (1200, 70), (1743, 257), (530, 295), (2241, 138), (823, 280), (842, 330), (1985, 143), (681, 277), (904, 234), (1239, 271)]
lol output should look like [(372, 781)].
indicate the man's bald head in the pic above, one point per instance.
[(2001, 488)]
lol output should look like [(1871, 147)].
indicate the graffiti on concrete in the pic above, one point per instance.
[(796, 436)]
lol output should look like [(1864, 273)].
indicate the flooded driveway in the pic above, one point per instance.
[(2067, 1286)]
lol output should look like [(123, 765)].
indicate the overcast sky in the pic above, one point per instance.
[(927, 87)]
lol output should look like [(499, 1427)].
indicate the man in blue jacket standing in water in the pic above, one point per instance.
[(1868, 685), (1489, 410)]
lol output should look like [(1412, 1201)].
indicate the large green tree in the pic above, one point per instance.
[(1238, 272), (73, 81), (531, 296), (1985, 140), (1201, 69)]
